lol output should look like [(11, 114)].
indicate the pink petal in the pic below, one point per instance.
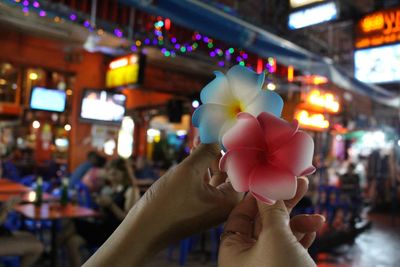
[(246, 133), (238, 164), (269, 183), (276, 130), (296, 155)]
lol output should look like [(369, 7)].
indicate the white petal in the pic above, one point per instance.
[(244, 83), (265, 101), (217, 91)]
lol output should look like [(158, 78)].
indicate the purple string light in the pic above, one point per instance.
[(205, 39), (36, 4), (155, 41), (118, 33), (221, 63), (134, 48), (86, 24), (197, 36), (212, 54), (147, 41), (72, 17), (177, 46), (42, 13), (25, 10), (25, 3), (173, 40)]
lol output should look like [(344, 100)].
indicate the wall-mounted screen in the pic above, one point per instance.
[(103, 106), (378, 65), (313, 15), (45, 99)]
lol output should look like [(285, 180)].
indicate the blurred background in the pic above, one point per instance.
[(91, 88)]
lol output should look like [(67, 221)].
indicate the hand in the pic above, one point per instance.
[(180, 203), (104, 201), (257, 234)]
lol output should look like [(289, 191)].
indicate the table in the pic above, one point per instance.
[(54, 212), (9, 187), (28, 197)]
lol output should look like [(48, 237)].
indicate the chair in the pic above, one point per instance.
[(84, 197), (9, 261)]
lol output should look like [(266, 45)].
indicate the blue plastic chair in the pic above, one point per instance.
[(84, 197), (10, 261)]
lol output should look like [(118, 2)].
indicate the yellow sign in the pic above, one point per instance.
[(313, 121), (379, 28), (325, 101), (123, 71)]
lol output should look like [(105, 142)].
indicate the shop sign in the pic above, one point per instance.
[(313, 15), (300, 3), (379, 28), (321, 101), (123, 71), (310, 120)]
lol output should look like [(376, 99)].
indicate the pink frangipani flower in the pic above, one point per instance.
[(265, 154)]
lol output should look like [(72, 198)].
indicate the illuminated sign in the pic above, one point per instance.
[(123, 71), (378, 64), (300, 3), (323, 101), (312, 121), (313, 15), (379, 28)]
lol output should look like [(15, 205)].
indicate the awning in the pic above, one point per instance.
[(209, 20)]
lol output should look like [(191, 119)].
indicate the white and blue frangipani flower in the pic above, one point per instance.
[(240, 90)]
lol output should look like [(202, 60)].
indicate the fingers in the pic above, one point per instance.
[(241, 219), (305, 223), (308, 239), (302, 187), (304, 228), (273, 215), (202, 157)]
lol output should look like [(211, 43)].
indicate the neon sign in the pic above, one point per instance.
[(323, 100), (379, 28), (313, 121)]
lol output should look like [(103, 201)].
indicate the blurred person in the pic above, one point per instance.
[(93, 178), (351, 191), (144, 169), (82, 169), (17, 243), (124, 193), (183, 202)]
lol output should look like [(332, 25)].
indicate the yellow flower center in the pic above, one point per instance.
[(236, 108)]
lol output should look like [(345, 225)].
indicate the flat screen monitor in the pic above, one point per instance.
[(103, 106), (313, 15), (45, 99), (378, 64)]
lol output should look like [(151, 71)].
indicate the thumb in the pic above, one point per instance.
[(273, 216), (202, 157)]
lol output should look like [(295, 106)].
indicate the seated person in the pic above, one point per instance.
[(93, 178), (17, 243), (123, 194), (82, 169)]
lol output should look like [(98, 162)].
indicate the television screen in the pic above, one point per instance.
[(103, 106), (313, 15), (48, 99), (378, 65)]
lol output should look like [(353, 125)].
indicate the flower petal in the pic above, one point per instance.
[(209, 118), (246, 132), (217, 91), (244, 83), (296, 155), (265, 101), (269, 183), (276, 130), (239, 164)]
